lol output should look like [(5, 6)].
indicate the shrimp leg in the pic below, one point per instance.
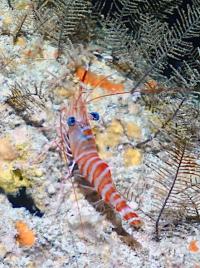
[(61, 195)]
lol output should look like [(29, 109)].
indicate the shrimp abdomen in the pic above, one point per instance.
[(98, 174)]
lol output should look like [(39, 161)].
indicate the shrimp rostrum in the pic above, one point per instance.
[(80, 149)]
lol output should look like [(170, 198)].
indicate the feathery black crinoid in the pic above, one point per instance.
[(27, 103), (63, 19), (174, 165), (165, 33), (159, 39)]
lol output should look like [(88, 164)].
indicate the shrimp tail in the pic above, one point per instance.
[(97, 173)]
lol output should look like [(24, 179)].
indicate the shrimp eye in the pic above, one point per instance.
[(71, 121), (95, 116)]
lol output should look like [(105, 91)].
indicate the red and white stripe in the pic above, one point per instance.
[(97, 173)]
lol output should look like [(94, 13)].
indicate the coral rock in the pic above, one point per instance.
[(7, 150)]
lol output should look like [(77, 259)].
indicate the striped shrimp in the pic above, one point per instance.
[(80, 149)]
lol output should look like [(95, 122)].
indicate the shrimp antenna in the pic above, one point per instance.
[(107, 95)]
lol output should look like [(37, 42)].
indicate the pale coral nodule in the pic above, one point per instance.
[(25, 236), (7, 150)]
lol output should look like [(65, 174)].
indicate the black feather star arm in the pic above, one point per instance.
[(177, 185), (170, 43), (22, 98), (161, 9), (174, 167), (114, 37), (29, 104), (188, 75), (130, 11), (63, 19), (136, 29)]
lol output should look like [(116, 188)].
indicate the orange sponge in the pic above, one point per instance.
[(95, 80), (25, 236), (193, 246)]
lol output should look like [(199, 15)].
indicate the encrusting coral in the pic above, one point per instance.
[(114, 135), (109, 139), (14, 170), (11, 178), (133, 131), (132, 157)]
